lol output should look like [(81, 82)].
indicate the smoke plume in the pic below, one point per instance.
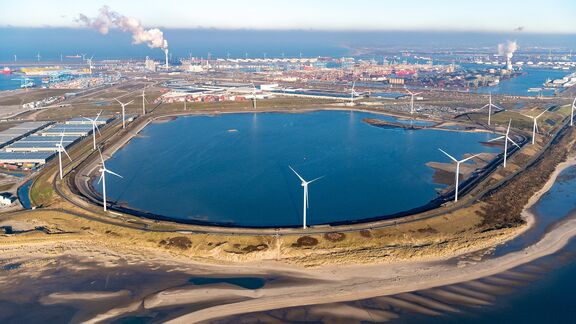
[(507, 49), (108, 19)]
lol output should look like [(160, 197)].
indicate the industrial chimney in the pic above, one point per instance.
[(166, 54)]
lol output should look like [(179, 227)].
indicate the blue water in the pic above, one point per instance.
[(519, 86), (27, 42), (193, 168), (24, 194), (12, 81), (554, 205), (244, 282)]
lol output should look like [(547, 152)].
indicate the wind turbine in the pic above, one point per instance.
[(89, 61), (60, 148), (412, 95), (144, 101), (305, 186), (94, 127), (490, 105), (506, 139), (535, 126), (572, 112), (254, 96), (352, 93), (123, 111), (457, 170), (102, 179)]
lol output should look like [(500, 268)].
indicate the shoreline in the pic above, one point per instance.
[(550, 243)]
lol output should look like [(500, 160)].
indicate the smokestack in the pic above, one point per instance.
[(166, 54), (508, 50)]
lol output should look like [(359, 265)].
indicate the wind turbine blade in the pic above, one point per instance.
[(526, 115), (129, 103), (448, 155), (309, 182), (511, 140), (101, 176), (98, 116), (88, 119), (468, 158), (509, 124), (542, 113), (64, 150), (113, 173), (496, 139), (97, 128), (120, 102), (302, 179)]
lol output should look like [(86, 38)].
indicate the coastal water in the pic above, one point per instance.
[(546, 299), (234, 168), (518, 86), (552, 207)]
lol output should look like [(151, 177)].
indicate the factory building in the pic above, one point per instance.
[(36, 143), (17, 132)]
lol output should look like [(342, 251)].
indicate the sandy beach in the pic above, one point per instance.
[(379, 280), (310, 286)]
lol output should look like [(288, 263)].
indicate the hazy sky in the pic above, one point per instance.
[(551, 16)]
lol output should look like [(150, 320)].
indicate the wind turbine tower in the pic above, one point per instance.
[(123, 111), (457, 182), (412, 95), (253, 96), (506, 139), (144, 101), (490, 105), (535, 124), (94, 127), (60, 148), (304, 185), (102, 179), (352, 93)]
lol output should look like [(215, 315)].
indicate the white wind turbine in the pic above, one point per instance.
[(535, 126), (506, 139), (305, 186), (94, 127), (123, 111), (352, 93), (457, 182), (572, 112), (253, 96), (89, 61), (102, 179), (60, 148), (412, 95), (490, 105), (144, 101)]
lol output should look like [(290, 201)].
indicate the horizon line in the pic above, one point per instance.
[(320, 30)]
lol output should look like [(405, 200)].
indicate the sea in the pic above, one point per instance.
[(27, 43), (234, 168)]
